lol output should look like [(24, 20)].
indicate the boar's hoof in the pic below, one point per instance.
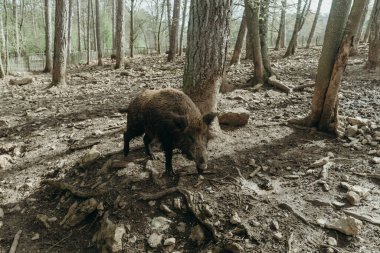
[(201, 168)]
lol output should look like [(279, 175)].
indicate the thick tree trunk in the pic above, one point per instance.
[(93, 19), (78, 19), (16, 29), (120, 34), (60, 42), (88, 31), (173, 42), (239, 42), (300, 20), (314, 24), (69, 31), (368, 29), (249, 37), (206, 51), (335, 51), (252, 12), (263, 29), (280, 41), (2, 51), (374, 38), (48, 56), (182, 28), (98, 34), (131, 30), (6, 49), (168, 12), (355, 46)]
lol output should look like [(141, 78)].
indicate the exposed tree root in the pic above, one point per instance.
[(276, 83), (301, 87), (15, 242), (192, 202), (297, 214), (67, 187), (363, 217)]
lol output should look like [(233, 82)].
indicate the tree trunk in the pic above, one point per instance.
[(6, 38), (263, 30), (48, 56), (78, 18), (169, 11), (336, 47), (69, 32), (98, 34), (368, 29), (280, 41), (355, 46), (131, 30), (206, 51), (113, 27), (253, 10), (159, 29), (120, 34), (300, 20), (182, 27), (374, 38), (173, 42), (16, 29), (239, 41), (314, 25), (93, 18), (2, 51), (88, 31), (60, 42), (249, 37)]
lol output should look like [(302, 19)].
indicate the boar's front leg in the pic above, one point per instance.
[(147, 141), (131, 133), (168, 150)]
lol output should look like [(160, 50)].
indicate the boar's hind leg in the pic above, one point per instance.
[(147, 141), (168, 150), (128, 136)]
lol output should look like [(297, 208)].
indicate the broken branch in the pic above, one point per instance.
[(67, 187), (15, 242)]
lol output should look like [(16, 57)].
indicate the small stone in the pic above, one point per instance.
[(167, 210), (152, 203), (346, 225), (169, 241), (197, 235), (235, 219), (345, 185), (331, 241), (177, 203), (16, 208), (52, 219), (330, 154), (363, 192), (372, 152), (44, 219), (274, 225), (154, 240), (5, 162), (278, 235), (351, 130), (181, 227), (357, 121), (330, 250), (252, 162), (321, 222), (353, 198), (1, 213), (132, 240), (345, 178), (376, 160), (160, 223), (36, 236), (236, 117), (338, 204), (91, 156), (208, 211)]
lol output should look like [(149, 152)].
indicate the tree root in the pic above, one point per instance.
[(276, 83), (297, 214), (363, 217), (67, 187), (15, 242), (192, 204), (301, 87)]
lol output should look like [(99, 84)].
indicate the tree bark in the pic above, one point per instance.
[(120, 31), (113, 27), (249, 36), (169, 11), (206, 51), (98, 34), (79, 33), (6, 37), (314, 24), (69, 31), (239, 41), (253, 9), (173, 42), (16, 29), (336, 47), (368, 29), (48, 55), (300, 20), (131, 30), (263, 30), (355, 46), (374, 38), (182, 28), (2, 51), (60, 42), (159, 29), (89, 2), (280, 41)]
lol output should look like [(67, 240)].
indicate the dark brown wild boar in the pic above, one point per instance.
[(169, 116)]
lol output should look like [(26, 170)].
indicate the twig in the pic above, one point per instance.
[(57, 244), (239, 172), (67, 187), (257, 170), (83, 146), (15, 242), (297, 214)]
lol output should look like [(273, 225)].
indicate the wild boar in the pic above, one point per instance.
[(169, 116)]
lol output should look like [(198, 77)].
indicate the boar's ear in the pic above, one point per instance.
[(209, 117), (179, 122)]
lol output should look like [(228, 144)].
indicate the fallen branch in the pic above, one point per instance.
[(276, 83), (83, 146), (158, 195), (67, 187), (297, 214), (363, 217), (290, 242), (303, 86), (15, 242)]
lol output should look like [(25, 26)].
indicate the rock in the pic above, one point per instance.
[(376, 160), (345, 185), (5, 162), (372, 152), (44, 219), (322, 222), (20, 81), (177, 203), (320, 162), (1, 213), (197, 235), (274, 225), (252, 162), (132, 240), (181, 227), (160, 224), (36, 236), (109, 237), (278, 235), (154, 240), (16, 208), (346, 225), (1, 223), (235, 219), (330, 250), (169, 241), (237, 117), (353, 198), (351, 130), (91, 156), (357, 121), (345, 178), (331, 241)]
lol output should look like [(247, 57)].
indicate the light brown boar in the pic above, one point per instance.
[(169, 116)]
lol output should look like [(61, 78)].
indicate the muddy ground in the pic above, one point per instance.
[(264, 191)]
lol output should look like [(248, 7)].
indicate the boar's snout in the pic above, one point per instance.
[(201, 161)]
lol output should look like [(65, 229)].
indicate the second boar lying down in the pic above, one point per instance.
[(169, 116)]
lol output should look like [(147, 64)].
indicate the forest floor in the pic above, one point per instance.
[(270, 186)]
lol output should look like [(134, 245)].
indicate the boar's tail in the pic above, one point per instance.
[(123, 110)]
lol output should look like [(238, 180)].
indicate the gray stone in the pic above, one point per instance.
[(160, 223), (376, 160), (169, 241), (155, 240), (351, 131), (237, 117), (235, 219), (331, 241), (346, 225), (5, 162), (353, 198), (357, 121)]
